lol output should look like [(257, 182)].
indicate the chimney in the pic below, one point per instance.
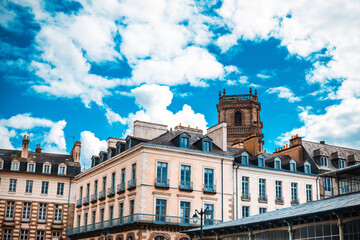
[(218, 134), (75, 152), (148, 130), (38, 148), (253, 144), (25, 147), (322, 142), (295, 140)]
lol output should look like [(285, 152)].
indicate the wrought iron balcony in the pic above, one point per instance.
[(138, 218), (186, 186), (94, 198), (111, 192), (245, 197), (78, 203), (209, 188), (263, 198), (86, 200), (162, 183), (121, 188), (279, 200), (131, 184), (294, 201), (102, 195)]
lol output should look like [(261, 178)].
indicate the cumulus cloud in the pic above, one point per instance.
[(90, 145), (263, 76), (283, 92)]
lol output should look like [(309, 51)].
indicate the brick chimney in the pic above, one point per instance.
[(218, 134), (75, 152), (25, 147), (38, 148), (254, 144), (295, 140)]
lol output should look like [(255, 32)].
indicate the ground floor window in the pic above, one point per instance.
[(56, 235), (7, 234), (326, 231), (40, 235), (352, 230), (24, 234)]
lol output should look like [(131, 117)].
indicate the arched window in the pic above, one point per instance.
[(159, 238), (238, 119), (130, 238)]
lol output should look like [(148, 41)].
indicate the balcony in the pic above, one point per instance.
[(279, 200), (111, 192), (186, 186), (86, 200), (131, 184), (245, 197), (138, 218), (121, 188), (78, 203), (263, 199), (102, 195), (294, 201), (94, 198), (209, 188), (162, 183)]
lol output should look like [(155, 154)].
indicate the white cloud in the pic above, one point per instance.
[(5, 136), (112, 117), (263, 76), (283, 92), (7, 17), (90, 145), (55, 139)]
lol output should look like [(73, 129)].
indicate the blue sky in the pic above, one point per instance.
[(85, 70)]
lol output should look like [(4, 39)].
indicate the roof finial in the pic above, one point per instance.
[(250, 90), (219, 93), (224, 91), (255, 92)]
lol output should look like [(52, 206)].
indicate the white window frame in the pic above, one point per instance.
[(28, 166), (44, 190), (26, 213), (10, 210), (58, 213), (12, 185), (62, 165), (262, 160), (277, 160), (324, 162), (42, 212), (18, 165), (1, 164), (307, 164), (30, 187), (244, 156), (58, 188), (46, 164), (342, 163), (292, 165)]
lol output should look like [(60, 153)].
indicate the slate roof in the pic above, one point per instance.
[(324, 206)]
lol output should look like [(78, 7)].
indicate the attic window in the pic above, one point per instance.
[(323, 161), (207, 146), (184, 142), (292, 166), (342, 164), (46, 168), (15, 165), (62, 169), (261, 162), (1, 163), (307, 167), (31, 167), (277, 164), (244, 160)]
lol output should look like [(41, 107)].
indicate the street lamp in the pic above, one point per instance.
[(201, 213), (105, 234)]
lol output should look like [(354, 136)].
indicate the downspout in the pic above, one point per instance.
[(317, 188), (67, 216), (222, 190), (237, 194)]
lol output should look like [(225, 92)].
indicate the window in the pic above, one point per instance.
[(342, 164), (46, 168), (26, 211), (210, 211), (132, 209), (245, 211), (121, 209), (111, 212), (12, 185), (294, 195), (277, 164), (60, 189), (207, 146), (292, 166), (323, 161), (185, 212), (209, 180), (85, 219), (56, 235), (9, 213), (104, 184), (327, 186), (161, 174), (1, 163), (261, 162), (88, 190), (308, 193), (31, 167), (244, 160), (160, 210), (42, 212), (94, 216), (58, 213), (44, 187), (79, 219), (184, 142), (40, 235), (262, 189), (123, 171), (245, 188), (307, 167), (133, 171), (113, 176), (15, 166), (185, 177), (7, 234), (96, 186), (278, 190), (238, 120), (62, 169), (24, 234), (262, 210)]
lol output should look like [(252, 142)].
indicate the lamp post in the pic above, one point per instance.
[(196, 218), (105, 234)]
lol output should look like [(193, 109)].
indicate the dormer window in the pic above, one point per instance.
[(244, 160), (62, 169), (15, 165), (31, 167), (323, 161), (46, 168), (261, 162), (277, 164), (292, 165), (184, 142), (207, 146), (342, 164), (307, 167), (1, 163)]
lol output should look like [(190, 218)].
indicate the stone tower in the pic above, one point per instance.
[(242, 115)]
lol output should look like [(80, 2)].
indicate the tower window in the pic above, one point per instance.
[(238, 119)]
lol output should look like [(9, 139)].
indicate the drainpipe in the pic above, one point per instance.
[(222, 189), (317, 188), (291, 232), (237, 194), (67, 216)]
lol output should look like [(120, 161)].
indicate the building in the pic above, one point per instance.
[(333, 218), (36, 192), (323, 158), (149, 185)]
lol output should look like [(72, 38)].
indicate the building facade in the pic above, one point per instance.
[(150, 188), (36, 191)]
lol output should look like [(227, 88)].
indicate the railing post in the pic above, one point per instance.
[(341, 227), (291, 231)]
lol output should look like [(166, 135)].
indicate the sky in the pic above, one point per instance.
[(85, 70)]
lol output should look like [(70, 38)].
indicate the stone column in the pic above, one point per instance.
[(341, 227)]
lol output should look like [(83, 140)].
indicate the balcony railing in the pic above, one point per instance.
[(121, 188), (263, 199), (162, 183), (245, 197), (209, 188), (86, 200), (94, 198), (143, 218), (111, 192), (186, 186), (102, 195), (78, 203), (279, 200), (294, 201), (131, 184)]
